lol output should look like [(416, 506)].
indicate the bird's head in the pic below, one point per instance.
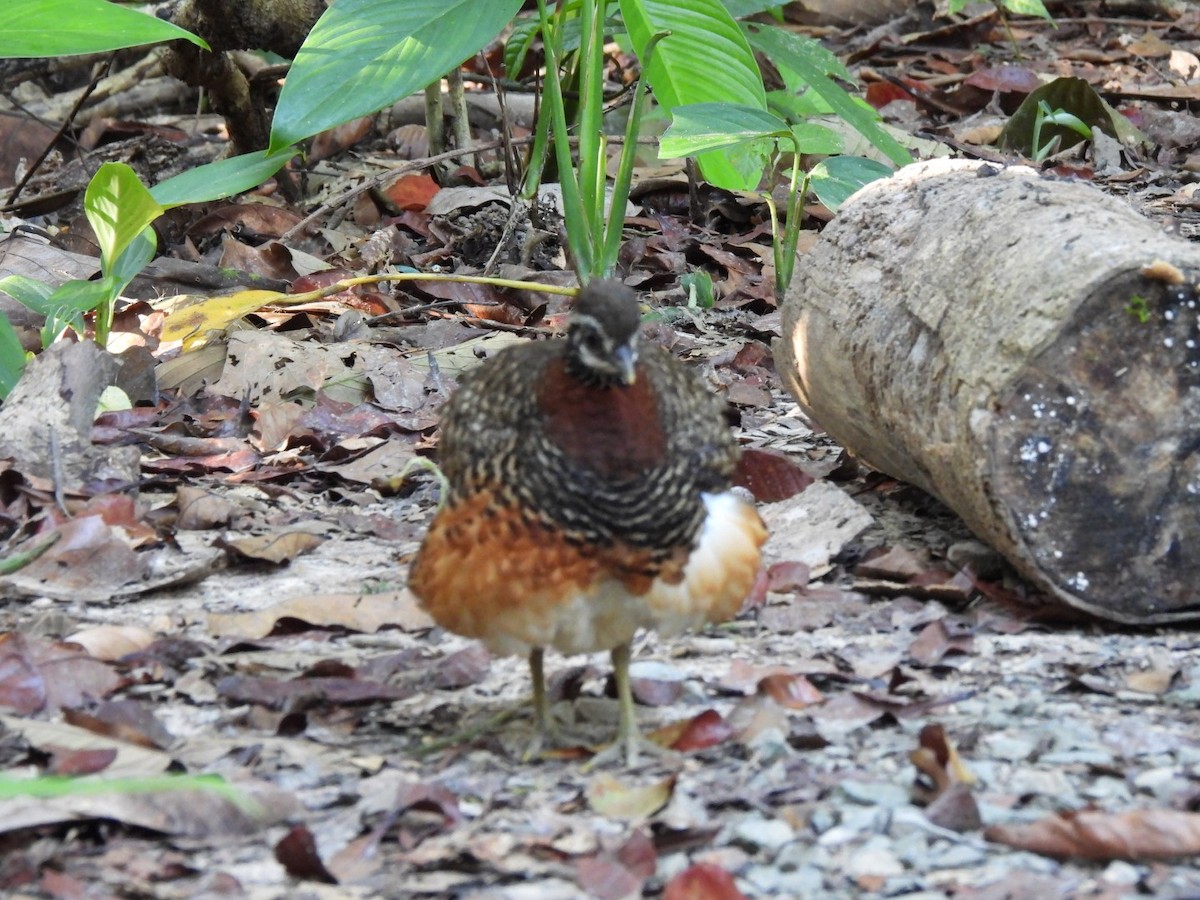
[(602, 334)]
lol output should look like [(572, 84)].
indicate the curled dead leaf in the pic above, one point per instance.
[(1135, 835)]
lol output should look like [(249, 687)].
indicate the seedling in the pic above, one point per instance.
[(1047, 116)]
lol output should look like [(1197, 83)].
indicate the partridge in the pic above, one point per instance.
[(589, 496)]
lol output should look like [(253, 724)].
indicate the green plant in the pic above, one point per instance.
[(120, 210), (1045, 116), (1016, 7), (1139, 308), (593, 235), (36, 28), (804, 64), (1006, 7)]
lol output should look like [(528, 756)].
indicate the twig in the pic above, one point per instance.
[(97, 74), (56, 471)]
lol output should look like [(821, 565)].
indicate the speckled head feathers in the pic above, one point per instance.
[(602, 334)]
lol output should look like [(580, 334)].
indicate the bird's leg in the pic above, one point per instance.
[(537, 674), (629, 737), (627, 729), (543, 724)]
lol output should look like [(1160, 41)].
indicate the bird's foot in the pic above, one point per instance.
[(631, 746)]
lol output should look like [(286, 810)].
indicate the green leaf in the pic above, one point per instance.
[(36, 28), (119, 208), (73, 298), (698, 127), (706, 59), (133, 259), (12, 357), (516, 48), (1064, 95), (814, 139), (363, 55), (218, 180), (29, 292), (1027, 8), (791, 51), (740, 9), (833, 180)]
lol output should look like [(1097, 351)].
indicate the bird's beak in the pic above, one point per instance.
[(626, 357)]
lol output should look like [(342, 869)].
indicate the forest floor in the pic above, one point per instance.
[(894, 713)]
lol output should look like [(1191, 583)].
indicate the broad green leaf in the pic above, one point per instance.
[(12, 357), (698, 127), (29, 292), (35, 28), (119, 208), (814, 139), (705, 59), (133, 259), (73, 298), (740, 9), (790, 50), (833, 180), (363, 55), (218, 180)]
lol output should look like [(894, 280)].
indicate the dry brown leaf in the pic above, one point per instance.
[(273, 548), (198, 509), (790, 690), (356, 612), (1136, 835), (37, 675), (935, 642), (110, 642)]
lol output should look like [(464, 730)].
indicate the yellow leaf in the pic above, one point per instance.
[(612, 797), (193, 324)]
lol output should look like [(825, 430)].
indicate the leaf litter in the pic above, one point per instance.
[(880, 720)]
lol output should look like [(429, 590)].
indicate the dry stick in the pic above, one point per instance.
[(459, 116), (56, 471), (32, 170), (518, 206)]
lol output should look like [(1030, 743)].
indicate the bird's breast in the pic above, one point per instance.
[(616, 431)]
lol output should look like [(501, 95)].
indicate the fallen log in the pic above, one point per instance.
[(1028, 351)]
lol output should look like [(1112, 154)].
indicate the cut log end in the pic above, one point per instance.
[(1028, 350), (1096, 453)]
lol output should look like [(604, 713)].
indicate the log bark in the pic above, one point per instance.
[(1028, 351)]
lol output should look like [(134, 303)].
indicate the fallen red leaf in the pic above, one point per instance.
[(412, 192), (703, 881), (769, 475)]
